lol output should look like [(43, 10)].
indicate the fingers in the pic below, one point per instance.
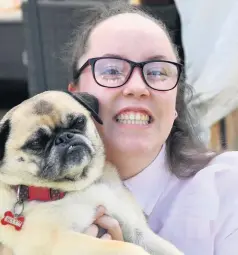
[(103, 221), (106, 237), (112, 226), (100, 212), (92, 230)]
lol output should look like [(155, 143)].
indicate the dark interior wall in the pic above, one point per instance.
[(166, 10), (157, 2), (13, 72)]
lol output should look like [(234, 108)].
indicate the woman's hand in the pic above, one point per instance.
[(111, 226)]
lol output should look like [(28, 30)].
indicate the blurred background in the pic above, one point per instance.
[(34, 33)]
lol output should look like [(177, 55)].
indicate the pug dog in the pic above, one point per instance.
[(53, 176)]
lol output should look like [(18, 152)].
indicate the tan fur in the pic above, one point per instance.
[(5, 251), (56, 227)]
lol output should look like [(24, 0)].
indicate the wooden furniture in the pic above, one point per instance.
[(224, 134)]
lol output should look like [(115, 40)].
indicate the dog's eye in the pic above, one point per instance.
[(79, 122), (34, 145), (38, 142)]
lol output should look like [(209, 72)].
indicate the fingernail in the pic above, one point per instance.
[(102, 208)]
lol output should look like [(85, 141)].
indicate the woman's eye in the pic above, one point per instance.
[(111, 71), (156, 72), (112, 75), (160, 75)]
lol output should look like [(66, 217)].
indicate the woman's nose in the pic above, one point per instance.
[(136, 86)]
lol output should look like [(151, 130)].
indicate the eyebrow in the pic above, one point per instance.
[(113, 55), (155, 57), (158, 57)]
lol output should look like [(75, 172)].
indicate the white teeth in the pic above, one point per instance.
[(133, 118), (135, 122), (138, 116), (71, 147)]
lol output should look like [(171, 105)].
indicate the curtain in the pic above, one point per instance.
[(210, 44)]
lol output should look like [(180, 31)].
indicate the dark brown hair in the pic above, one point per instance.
[(186, 152)]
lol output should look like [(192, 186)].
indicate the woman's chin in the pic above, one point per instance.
[(132, 146)]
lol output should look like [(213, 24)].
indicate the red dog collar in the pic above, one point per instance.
[(30, 193), (15, 217)]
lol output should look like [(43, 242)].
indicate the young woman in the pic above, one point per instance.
[(126, 59)]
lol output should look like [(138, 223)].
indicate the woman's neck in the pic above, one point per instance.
[(129, 165)]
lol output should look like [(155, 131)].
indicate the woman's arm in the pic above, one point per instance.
[(226, 241)]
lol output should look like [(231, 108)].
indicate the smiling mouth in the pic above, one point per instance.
[(134, 118)]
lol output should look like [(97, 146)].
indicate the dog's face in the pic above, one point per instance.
[(51, 140)]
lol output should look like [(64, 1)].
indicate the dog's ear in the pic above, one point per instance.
[(5, 128), (90, 102)]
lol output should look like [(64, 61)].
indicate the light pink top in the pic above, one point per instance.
[(199, 215)]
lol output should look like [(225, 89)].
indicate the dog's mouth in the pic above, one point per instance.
[(67, 160), (79, 145), (75, 146), (67, 179), (82, 175)]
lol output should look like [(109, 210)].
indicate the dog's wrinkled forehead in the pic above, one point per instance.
[(48, 109), (43, 107)]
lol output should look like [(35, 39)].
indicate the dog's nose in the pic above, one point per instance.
[(64, 138)]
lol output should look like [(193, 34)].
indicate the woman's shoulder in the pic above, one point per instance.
[(205, 203), (221, 171), (221, 168), (216, 184), (227, 157)]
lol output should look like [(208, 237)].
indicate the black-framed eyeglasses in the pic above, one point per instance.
[(113, 72)]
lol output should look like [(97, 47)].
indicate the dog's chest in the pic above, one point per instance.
[(80, 208), (7, 199)]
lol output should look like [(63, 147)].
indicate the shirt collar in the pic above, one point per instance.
[(148, 185)]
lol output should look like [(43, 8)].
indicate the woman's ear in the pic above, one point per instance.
[(175, 115), (71, 87)]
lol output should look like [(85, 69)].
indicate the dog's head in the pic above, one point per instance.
[(51, 140)]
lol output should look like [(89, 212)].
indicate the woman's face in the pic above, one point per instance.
[(136, 38)]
